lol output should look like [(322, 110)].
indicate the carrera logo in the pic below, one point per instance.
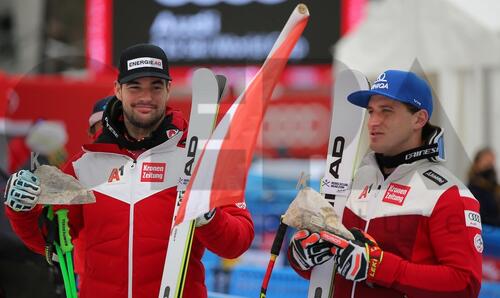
[(396, 194), (144, 62), (153, 172), (435, 177), (473, 219)]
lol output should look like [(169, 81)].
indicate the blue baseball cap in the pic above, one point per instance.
[(403, 86)]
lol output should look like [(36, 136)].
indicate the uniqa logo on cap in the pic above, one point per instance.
[(381, 82)]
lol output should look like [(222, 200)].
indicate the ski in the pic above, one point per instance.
[(207, 92), (344, 154)]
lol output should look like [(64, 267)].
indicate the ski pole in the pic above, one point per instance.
[(65, 247), (58, 231), (275, 251)]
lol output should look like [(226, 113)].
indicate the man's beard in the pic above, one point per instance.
[(143, 125)]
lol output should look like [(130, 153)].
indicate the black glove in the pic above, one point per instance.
[(360, 259), (308, 249)]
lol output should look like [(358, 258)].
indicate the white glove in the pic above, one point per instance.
[(22, 191), (204, 219)]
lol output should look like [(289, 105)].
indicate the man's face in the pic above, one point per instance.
[(392, 127), (144, 101)]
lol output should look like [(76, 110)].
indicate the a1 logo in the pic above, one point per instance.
[(365, 192), (115, 175)]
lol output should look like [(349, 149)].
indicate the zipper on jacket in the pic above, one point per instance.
[(130, 258)]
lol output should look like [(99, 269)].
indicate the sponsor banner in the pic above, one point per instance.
[(295, 124), (144, 62), (396, 194), (438, 179), (173, 3), (335, 187), (473, 219), (298, 132), (215, 32), (153, 171)]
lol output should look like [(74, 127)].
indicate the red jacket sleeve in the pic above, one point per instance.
[(229, 234), (25, 224), (457, 244)]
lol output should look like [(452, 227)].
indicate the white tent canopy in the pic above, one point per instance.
[(456, 44), (442, 34)]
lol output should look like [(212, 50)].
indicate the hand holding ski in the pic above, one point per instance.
[(344, 152), (207, 92)]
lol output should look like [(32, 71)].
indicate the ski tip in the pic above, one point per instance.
[(222, 84), (302, 8)]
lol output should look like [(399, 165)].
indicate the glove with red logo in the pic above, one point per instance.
[(360, 258), (308, 249)]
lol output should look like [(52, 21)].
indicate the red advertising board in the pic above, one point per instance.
[(296, 124)]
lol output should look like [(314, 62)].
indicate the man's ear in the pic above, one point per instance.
[(421, 118), (118, 90)]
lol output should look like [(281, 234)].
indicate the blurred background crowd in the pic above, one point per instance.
[(57, 63)]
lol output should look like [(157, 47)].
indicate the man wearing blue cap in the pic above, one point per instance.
[(417, 227)]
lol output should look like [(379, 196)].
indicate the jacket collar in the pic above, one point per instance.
[(400, 171), (169, 145)]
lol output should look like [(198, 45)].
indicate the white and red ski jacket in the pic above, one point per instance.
[(126, 231), (428, 225)]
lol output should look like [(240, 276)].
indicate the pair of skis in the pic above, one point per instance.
[(345, 149), (208, 90), (344, 152), (260, 88)]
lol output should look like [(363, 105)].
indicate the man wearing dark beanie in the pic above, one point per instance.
[(133, 168)]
